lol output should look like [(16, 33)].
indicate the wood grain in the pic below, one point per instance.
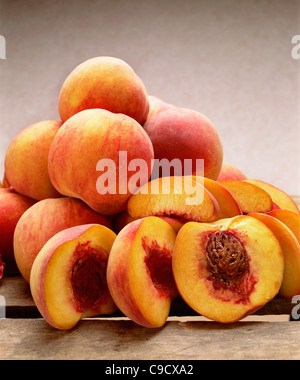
[(124, 340), (19, 303)]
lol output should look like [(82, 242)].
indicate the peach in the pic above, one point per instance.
[(121, 220), (228, 205), (12, 207), (175, 222), (5, 184), (104, 82), (68, 277), (45, 219), (228, 271), (182, 134), (157, 105), (281, 199), (250, 197), (173, 196), (101, 158), (229, 171), (291, 250), (139, 271), (26, 160), (289, 218)]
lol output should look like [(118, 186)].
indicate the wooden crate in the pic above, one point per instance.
[(270, 333)]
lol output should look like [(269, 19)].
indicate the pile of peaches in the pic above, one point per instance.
[(87, 251)]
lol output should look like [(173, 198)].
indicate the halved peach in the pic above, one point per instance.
[(139, 271), (250, 197), (228, 205), (68, 277), (174, 221), (123, 218), (173, 196), (227, 272), (279, 197), (291, 250), (290, 219)]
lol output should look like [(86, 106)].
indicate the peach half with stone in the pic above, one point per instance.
[(68, 276), (228, 271)]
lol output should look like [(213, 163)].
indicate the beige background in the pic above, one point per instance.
[(229, 59)]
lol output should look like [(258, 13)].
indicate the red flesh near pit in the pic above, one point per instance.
[(88, 278), (158, 261)]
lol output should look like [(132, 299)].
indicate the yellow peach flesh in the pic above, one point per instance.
[(192, 275)]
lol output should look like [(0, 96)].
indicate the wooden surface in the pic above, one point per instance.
[(267, 334), (34, 339)]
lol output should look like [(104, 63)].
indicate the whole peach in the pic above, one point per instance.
[(179, 133), (104, 82), (93, 158), (26, 160), (229, 172), (12, 207)]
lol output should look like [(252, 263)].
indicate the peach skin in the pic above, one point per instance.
[(281, 199), (229, 172), (250, 197), (139, 271), (45, 219), (157, 105), (182, 134), (227, 272), (228, 205), (121, 220), (85, 159), (26, 160), (104, 82), (291, 250), (12, 207), (290, 219), (68, 277)]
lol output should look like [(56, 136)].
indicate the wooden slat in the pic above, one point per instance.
[(123, 340), (19, 303)]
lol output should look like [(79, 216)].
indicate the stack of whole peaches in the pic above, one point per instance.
[(91, 229)]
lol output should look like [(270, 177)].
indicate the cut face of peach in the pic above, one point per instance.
[(124, 218), (68, 277), (228, 205), (291, 250), (139, 271), (290, 219), (250, 197), (175, 222), (279, 197), (227, 272), (173, 196)]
